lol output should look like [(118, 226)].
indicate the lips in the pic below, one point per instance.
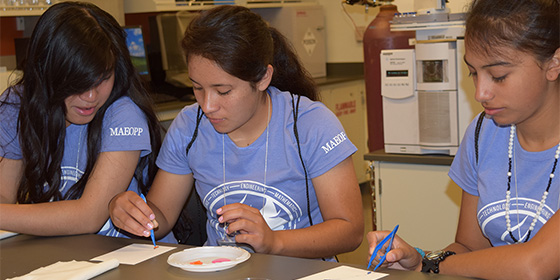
[(492, 111), (214, 120), (85, 111)]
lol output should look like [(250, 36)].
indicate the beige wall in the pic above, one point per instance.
[(114, 7)]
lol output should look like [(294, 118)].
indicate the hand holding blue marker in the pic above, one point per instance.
[(151, 231), (391, 236)]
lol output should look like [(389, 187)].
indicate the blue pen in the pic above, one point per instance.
[(390, 237), (151, 231)]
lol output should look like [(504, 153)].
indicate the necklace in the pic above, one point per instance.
[(265, 154), (508, 192), (78, 155), (229, 237)]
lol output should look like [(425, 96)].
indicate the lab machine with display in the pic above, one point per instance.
[(428, 98)]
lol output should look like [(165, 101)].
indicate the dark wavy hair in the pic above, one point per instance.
[(243, 45), (531, 26), (74, 46)]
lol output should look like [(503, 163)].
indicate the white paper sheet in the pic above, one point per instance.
[(72, 270), (134, 253), (345, 272), (6, 234)]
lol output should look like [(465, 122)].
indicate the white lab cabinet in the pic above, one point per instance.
[(419, 197)]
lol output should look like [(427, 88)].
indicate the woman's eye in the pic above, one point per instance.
[(472, 74), (224, 93), (499, 79)]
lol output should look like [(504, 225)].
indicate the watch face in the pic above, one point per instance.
[(435, 255), (431, 262)]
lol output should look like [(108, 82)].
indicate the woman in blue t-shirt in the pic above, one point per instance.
[(507, 164), (76, 129), (280, 189)]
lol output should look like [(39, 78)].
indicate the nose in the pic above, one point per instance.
[(207, 102), (89, 96), (483, 90)]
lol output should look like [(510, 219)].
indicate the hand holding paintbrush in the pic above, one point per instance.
[(151, 231)]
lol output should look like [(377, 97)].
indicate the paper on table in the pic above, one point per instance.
[(6, 234), (134, 253), (345, 272), (72, 270)]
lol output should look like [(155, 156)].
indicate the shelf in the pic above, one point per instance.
[(25, 10), (429, 159), (148, 6)]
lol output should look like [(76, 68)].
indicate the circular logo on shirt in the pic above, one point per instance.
[(279, 210), (69, 176), (522, 211)]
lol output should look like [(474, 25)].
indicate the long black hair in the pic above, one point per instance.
[(74, 46)]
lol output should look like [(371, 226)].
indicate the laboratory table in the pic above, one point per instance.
[(22, 254)]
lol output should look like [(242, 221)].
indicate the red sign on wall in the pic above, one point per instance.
[(345, 108)]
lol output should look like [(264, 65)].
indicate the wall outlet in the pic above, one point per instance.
[(20, 24)]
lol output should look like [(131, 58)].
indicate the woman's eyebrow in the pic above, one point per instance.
[(499, 63)]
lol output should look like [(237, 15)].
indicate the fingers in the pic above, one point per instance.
[(242, 226), (374, 237), (395, 255), (262, 238), (235, 209), (250, 225), (401, 254), (129, 212), (233, 213)]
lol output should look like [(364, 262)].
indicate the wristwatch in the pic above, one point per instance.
[(430, 262)]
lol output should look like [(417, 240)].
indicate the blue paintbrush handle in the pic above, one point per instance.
[(151, 231)]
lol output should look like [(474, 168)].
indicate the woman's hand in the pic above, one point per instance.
[(401, 256), (129, 212), (250, 224)]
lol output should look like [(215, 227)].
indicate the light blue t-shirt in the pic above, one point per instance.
[(274, 183), (124, 129), (488, 180)]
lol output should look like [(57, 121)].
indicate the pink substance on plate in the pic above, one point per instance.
[(219, 260)]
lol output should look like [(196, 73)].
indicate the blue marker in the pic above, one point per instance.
[(151, 231)]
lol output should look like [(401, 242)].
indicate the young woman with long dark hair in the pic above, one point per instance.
[(77, 129)]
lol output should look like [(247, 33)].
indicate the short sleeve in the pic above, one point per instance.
[(125, 128), (325, 142), (9, 139), (172, 156)]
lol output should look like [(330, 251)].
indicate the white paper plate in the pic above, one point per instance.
[(208, 255)]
